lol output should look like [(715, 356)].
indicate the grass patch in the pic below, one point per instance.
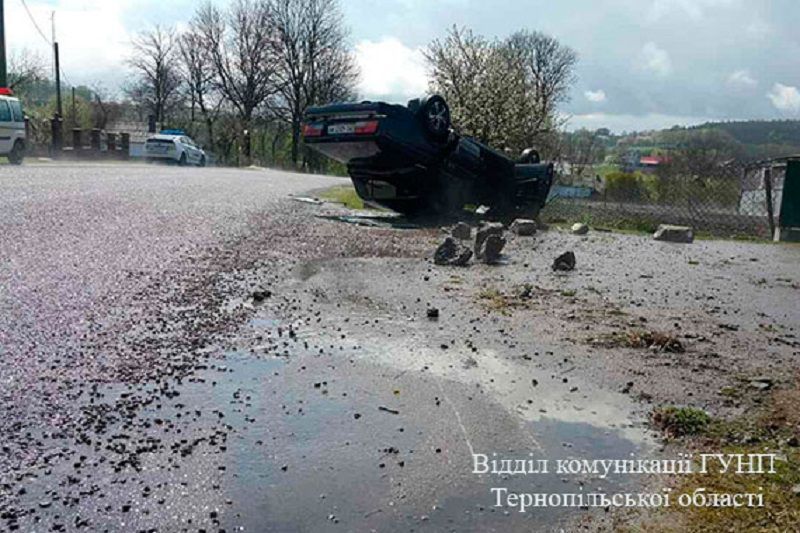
[(680, 421), (653, 340), (497, 300), (773, 429), (345, 195)]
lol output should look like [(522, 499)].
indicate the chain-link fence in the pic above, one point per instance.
[(731, 200)]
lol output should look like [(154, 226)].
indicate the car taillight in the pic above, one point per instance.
[(366, 128), (312, 130)]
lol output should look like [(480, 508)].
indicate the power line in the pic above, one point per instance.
[(42, 34), (36, 25)]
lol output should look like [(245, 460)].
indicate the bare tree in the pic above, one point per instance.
[(549, 71), (199, 74), (154, 60), (582, 149), (25, 67), (240, 42), (314, 64)]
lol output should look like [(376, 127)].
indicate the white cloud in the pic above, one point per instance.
[(785, 98), (597, 96), (694, 9), (655, 59), (742, 78), (390, 68), (92, 37)]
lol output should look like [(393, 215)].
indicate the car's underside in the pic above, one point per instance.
[(408, 159)]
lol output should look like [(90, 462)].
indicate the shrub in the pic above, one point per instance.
[(680, 421)]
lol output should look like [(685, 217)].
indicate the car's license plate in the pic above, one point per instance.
[(339, 129)]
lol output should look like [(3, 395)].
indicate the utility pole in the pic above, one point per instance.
[(59, 106), (3, 67)]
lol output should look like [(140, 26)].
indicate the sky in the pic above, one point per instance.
[(643, 64)]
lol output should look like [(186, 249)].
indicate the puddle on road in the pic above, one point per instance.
[(315, 449), (370, 441), (319, 442)]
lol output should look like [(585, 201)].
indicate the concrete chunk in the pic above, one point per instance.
[(669, 233), (523, 227), (580, 229)]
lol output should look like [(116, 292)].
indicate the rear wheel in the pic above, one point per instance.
[(17, 153), (202, 162), (435, 116)]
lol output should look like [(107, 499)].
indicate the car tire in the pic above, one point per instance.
[(202, 162), (435, 116), (17, 154), (182, 160)]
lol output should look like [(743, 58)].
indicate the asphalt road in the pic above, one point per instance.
[(193, 350), (143, 388)]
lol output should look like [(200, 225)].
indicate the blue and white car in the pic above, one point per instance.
[(174, 146)]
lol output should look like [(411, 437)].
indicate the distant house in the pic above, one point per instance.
[(652, 162)]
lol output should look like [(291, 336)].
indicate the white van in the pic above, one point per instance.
[(12, 128)]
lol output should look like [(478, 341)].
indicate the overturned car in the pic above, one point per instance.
[(408, 159)]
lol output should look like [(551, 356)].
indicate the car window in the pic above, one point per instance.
[(16, 111), (5, 112)]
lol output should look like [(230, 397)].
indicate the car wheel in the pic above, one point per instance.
[(435, 115), (17, 153), (182, 160), (202, 162)]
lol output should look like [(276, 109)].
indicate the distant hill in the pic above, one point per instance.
[(760, 132)]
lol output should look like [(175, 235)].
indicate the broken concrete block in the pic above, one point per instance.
[(669, 233), (450, 253), (491, 228), (564, 262), (580, 229), (493, 248), (462, 231), (523, 227)]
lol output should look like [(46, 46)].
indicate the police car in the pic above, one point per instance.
[(174, 146), (12, 127)]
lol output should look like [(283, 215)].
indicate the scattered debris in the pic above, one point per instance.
[(307, 200), (580, 229), (523, 227), (669, 233), (565, 262), (653, 340), (450, 253), (761, 383), (387, 410), (433, 313), (462, 231), (260, 296)]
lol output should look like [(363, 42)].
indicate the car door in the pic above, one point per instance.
[(6, 128), (191, 155), (198, 152)]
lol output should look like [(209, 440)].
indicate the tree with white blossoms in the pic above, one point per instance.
[(505, 93)]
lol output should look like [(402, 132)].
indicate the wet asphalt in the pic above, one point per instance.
[(193, 350)]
